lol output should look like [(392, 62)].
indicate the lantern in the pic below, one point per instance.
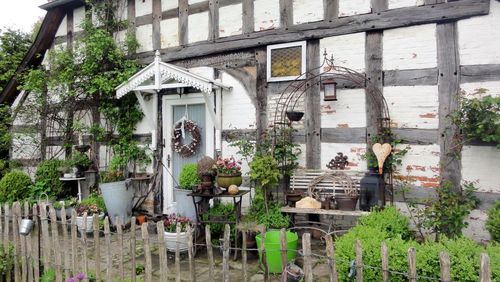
[(329, 88)]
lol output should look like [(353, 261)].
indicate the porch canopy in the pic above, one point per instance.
[(159, 75)]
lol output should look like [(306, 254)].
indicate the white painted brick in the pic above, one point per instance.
[(348, 111), (266, 14), (230, 20), (198, 27), (144, 35), (169, 4), (420, 165), (169, 33), (354, 7), (394, 4), (491, 87), (78, 18), (481, 164), (410, 47), (413, 106), (353, 151), (63, 27), (238, 111), (190, 2), (479, 38), (143, 7), (305, 11), (347, 50)]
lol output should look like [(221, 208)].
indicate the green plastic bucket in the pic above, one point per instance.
[(273, 249)]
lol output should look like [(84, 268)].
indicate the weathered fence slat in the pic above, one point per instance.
[(83, 232), (147, 253), (15, 233), (74, 248), (177, 253), (64, 243), (57, 251), (244, 256), (22, 241), (29, 247), (47, 244), (444, 263), (97, 246), (385, 262), (485, 272), (359, 262), (412, 265), (162, 251), (119, 231), (109, 255), (6, 229), (210, 253), (132, 248), (192, 269), (263, 253), (306, 250), (225, 253), (330, 252), (36, 244), (283, 248)]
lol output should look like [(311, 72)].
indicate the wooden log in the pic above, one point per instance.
[(36, 244), (312, 107), (412, 265), (244, 256), (306, 250), (192, 269), (332, 265), (56, 242), (248, 16), (177, 253), (162, 251), (147, 253), (65, 243), (385, 262), (97, 246), (411, 77), (283, 245), (225, 253), (210, 252), (132, 249), (119, 231), (359, 262), (74, 246), (485, 271), (83, 232), (444, 264), (263, 252), (109, 255)]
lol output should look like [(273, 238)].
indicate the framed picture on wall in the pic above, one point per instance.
[(286, 61)]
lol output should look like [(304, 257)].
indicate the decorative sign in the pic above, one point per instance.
[(381, 152)]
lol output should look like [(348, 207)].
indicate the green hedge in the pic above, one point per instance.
[(47, 174), (15, 186)]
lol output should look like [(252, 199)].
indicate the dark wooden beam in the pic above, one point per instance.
[(226, 61), (373, 101), (411, 77), (448, 90), (183, 22), (131, 18), (416, 135), (393, 18), (156, 24), (312, 108), (478, 73), (286, 13), (343, 135), (330, 10), (261, 92), (248, 16), (213, 20), (69, 29)]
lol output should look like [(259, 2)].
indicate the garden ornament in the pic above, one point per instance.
[(381, 152), (308, 203)]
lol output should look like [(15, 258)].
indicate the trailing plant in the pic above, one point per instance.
[(47, 178), (189, 176), (493, 222), (14, 186)]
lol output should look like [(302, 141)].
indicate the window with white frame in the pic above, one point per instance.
[(286, 61)]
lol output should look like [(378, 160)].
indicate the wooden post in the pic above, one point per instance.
[(192, 269), (306, 249), (47, 246), (56, 242), (312, 107), (177, 253), (412, 265), (147, 253), (359, 262), (263, 252), (331, 9), (210, 252), (6, 229), (64, 243), (330, 252), (36, 244), (162, 251), (74, 249), (119, 230), (15, 236), (132, 248), (24, 253), (444, 263), (248, 16), (183, 22), (109, 255), (97, 246), (156, 24), (385, 262), (213, 20), (286, 13), (225, 253), (485, 272), (284, 259), (244, 256), (29, 247), (83, 232)]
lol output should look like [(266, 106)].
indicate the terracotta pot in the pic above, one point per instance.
[(226, 180), (346, 203), (140, 219)]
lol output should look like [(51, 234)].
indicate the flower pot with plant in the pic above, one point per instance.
[(92, 205), (80, 161), (117, 195), (188, 178), (228, 172), (67, 204), (170, 224)]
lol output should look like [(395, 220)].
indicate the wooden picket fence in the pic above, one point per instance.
[(55, 244)]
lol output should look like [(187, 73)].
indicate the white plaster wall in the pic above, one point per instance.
[(348, 111), (489, 87), (302, 156), (354, 7), (63, 27), (206, 72), (169, 4), (198, 27), (169, 32), (144, 35), (352, 150), (78, 18), (413, 106), (420, 166), (55, 152), (228, 151), (143, 7), (305, 11), (394, 4), (194, 1), (230, 20), (266, 14), (120, 38), (410, 47), (121, 11), (479, 38), (476, 230), (347, 50), (238, 111), (481, 164), (25, 145)]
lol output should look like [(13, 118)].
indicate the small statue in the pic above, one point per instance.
[(339, 162)]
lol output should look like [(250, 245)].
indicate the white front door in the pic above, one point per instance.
[(194, 108)]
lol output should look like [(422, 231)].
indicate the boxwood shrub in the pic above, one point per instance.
[(47, 174), (14, 186)]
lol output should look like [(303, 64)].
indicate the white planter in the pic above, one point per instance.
[(171, 241), (89, 219), (184, 204)]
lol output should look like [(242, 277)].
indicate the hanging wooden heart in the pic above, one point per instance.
[(381, 152)]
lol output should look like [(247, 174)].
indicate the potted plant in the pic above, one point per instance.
[(80, 161), (188, 178), (228, 172), (170, 224), (207, 173), (117, 195), (68, 204), (94, 204)]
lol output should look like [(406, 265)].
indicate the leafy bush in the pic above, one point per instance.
[(7, 257), (493, 222), (389, 220), (47, 174), (14, 186), (189, 176), (220, 209), (272, 218)]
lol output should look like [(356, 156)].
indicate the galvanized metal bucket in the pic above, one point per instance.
[(25, 226)]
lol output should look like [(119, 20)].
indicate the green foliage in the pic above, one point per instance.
[(264, 170), (47, 179), (49, 275), (272, 218), (5, 136), (68, 203), (189, 176), (111, 175), (13, 46), (94, 199), (389, 220), (79, 159), (7, 256), (220, 210), (493, 222), (14, 186)]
